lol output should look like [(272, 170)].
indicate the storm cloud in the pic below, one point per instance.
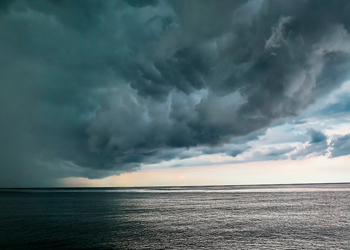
[(94, 88)]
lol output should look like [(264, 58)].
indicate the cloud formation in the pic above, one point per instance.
[(316, 146), (91, 88), (340, 146)]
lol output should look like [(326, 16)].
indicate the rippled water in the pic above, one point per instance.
[(224, 217)]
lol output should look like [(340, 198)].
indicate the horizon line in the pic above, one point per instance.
[(164, 186)]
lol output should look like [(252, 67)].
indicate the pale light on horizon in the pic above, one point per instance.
[(312, 170)]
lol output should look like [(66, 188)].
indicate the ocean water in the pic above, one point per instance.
[(221, 217)]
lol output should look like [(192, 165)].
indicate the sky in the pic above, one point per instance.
[(174, 92)]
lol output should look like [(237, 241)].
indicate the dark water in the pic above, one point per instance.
[(225, 217)]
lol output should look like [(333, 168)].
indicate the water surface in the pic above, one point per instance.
[(220, 217)]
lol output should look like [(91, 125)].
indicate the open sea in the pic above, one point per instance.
[(313, 216)]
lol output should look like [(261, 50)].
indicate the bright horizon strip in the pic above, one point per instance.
[(313, 170)]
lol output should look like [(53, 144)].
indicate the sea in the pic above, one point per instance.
[(307, 216)]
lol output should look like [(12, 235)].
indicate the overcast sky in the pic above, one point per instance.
[(178, 92)]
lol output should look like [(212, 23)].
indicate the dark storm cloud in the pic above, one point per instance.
[(107, 85), (137, 3)]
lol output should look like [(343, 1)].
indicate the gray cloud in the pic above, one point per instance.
[(272, 154), (317, 145), (99, 87), (341, 106), (340, 146), (316, 136)]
